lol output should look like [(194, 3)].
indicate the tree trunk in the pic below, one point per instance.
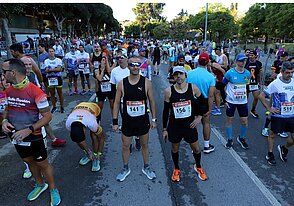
[(7, 35), (59, 22)]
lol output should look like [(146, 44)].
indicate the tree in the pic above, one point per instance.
[(162, 30), (133, 30)]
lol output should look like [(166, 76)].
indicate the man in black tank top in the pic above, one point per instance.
[(181, 114), (135, 90)]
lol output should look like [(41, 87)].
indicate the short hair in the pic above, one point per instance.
[(51, 48), (81, 45), (17, 47), (286, 65), (132, 57), (17, 65), (42, 45)]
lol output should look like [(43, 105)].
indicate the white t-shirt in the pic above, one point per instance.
[(58, 50), (117, 74), (51, 64), (83, 116), (83, 59)]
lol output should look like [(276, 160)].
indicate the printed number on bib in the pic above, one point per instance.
[(96, 64), (53, 81), (86, 71), (135, 108), (287, 108), (105, 87), (82, 66), (253, 87), (182, 109), (239, 93)]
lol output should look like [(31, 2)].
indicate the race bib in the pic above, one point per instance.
[(76, 72), (135, 108), (105, 87), (53, 81), (82, 66), (287, 108), (182, 109), (86, 71), (21, 143), (253, 87), (240, 93), (143, 72), (3, 102), (96, 64)]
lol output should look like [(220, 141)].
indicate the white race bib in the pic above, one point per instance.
[(239, 92), (76, 72), (21, 143), (287, 108), (86, 71), (82, 66), (143, 72), (96, 64), (253, 87), (53, 81), (3, 102), (135, 108), (182, 109), (105, 87)]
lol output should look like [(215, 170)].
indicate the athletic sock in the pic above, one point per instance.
[(229, 130), (175, 157), (197, 158), (243, 129), (267, 122), (206, 143)]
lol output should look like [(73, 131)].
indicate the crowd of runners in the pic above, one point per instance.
[(202, 79)]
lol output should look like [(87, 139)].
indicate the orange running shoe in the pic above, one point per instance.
[(176, 177), (200, 172)]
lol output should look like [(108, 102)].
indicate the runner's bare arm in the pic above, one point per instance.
[(151, 97), (37, 71)]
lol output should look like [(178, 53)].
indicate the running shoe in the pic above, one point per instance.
[(229, 144), (62, 110), (200, 172), (58, 142), (216, 112), (55, 197), (27, 174), (265, 132), (138, 144), (89, 92), (149, 174), (283, 153), (53, 110), (157, 73), (222, 105), (95, 165), (176, 177), (76, 92), (83, 92), (209, 149), (254, 114), (85, 159), (37, 191), (70, 93), (283, 134), (271, 159), (123, 174), (242, 142)]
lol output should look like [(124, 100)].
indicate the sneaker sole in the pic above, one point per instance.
[(241, 144), (280, 153), (256, 117), (44, 188), (147, 175), (84, 163), (97, 169), (55, 204), (208, 151), (121, 180)]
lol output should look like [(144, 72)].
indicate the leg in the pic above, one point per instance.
[(82, 80), (53, 98), (290, 141), (126, 149), (88, 82), (255, 100), (47, 170), (35, 170), (175, 154), (76, 83), (100, 104), (61, 99), (271, 141), (145, 149)]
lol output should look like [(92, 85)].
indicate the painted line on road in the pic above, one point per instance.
[(248, 171)]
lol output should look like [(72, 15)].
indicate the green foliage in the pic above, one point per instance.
[(133, 30), (162, 31)]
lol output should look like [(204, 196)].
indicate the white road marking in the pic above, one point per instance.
[(248, 171)]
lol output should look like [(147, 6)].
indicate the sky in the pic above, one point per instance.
[(122, 10)]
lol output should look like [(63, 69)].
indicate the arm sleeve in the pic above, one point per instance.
[(165, 114)]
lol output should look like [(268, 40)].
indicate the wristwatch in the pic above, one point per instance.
[(31, 128), (154, 120)]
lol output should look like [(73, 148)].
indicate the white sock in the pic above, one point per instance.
[(27, 166), (206, 143)]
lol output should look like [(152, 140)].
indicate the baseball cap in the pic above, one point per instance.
[(284, 54), (203, 58), (142, 49), (218, 48), (253, 52), (241, 57), (73, 46), (181, 56), (179, 69)]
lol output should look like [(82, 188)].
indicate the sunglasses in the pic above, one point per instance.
[(135, 64), (6, 70), (120, 57)]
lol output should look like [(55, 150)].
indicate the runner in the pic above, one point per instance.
[(205, 81), (53, 69), (70, 64), (282, 111), (83, 60), (236, 80), (134, 90), (255, 68), (145, 68), (156, 56), (84, 116), (180, 116)]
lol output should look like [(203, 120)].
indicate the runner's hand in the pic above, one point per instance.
[(164, 135), (21, 134), (227, 105), (274, 110), (6, 127), (195, 122), (153, 125)]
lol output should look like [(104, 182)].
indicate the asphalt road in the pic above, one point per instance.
[(236, 176)]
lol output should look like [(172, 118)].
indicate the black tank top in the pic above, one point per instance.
[(134, 99), (182, 104), (96, 59)]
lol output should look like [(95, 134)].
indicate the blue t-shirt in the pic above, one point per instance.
[(236, 86), (42, 59), (202, 79)]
